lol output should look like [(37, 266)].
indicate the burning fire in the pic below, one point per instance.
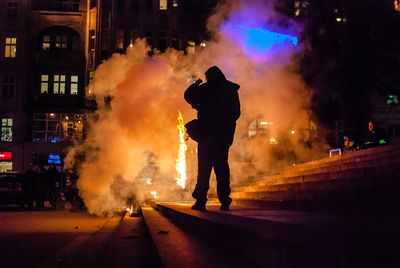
[(181, 160), (129, 210)]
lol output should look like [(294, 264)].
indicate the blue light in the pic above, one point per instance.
[(54, 158), (258, 43)]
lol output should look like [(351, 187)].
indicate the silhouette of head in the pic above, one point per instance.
[(371, 126), (214, 74)]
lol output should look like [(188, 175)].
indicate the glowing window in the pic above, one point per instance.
[(175, 3), (59, 84), (10, 47), (61, 41), (6, 129), (163, 4), (397, 5), (44, 84), (74, 85), (46, 42), (392, 100)]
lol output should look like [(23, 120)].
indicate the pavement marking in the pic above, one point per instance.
[(83, 248)]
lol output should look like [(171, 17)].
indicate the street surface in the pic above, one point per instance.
[(49, 238)]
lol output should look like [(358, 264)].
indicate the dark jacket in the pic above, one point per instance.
[(218, 106)]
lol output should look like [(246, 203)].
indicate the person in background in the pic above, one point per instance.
[(40, 186), (54, 184), (218, 108), (348, 144), (376, 136), (28, 185)]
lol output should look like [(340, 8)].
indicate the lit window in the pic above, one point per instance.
[(392, 100), (61, 41), (74, 84), (175, 3), (163, 4), (46, 42), (6, 129), (397, 5), (44, 84), (59, 84), (91, 78), (8, 87), (10, 47), (12, 10)]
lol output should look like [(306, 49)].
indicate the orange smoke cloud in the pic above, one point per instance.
[(134, 136)]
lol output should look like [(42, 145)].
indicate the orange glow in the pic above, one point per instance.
[(129, 210), (181, 159)]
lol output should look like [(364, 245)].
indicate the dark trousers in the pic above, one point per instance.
[(212, 156)]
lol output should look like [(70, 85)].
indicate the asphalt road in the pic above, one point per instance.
[(51, 238)]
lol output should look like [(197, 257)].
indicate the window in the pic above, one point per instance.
[(10, 47), (46, 42), (120, 5), (93, 3), (55, 127), (61, 42), (120, 39), (8, 87), (392, 100), (134, 5), (133, 34), (63, 5), (12, 10), (300, 8), (46, 127), (149, 39), (163, 4), (91, 78), (44, 84), (149, 6), (92, 40), (6, 129), (175, 3), (74, 85), (397, 5), (59, 84), (163, 41)]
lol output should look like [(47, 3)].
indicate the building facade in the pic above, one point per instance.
[(49, 52)]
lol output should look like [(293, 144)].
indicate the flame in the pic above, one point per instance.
[(181, 160), (154, 194), (130, 210)]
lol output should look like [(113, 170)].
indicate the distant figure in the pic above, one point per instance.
[(28, 186), (376, 136), (218, 106), (348, 144), (40, 186), (54, 184)]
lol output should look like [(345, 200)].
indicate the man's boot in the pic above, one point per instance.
[(199, 206)]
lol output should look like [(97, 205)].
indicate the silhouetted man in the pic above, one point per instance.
[(218, 106)]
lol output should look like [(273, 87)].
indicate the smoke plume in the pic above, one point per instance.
[(132, 136)]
